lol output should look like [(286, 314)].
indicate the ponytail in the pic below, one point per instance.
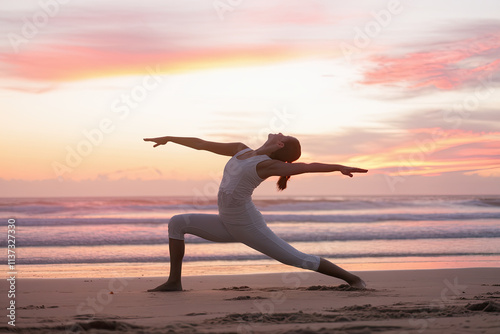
[(281, 184)]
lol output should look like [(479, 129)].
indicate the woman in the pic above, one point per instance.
[(238, 219)]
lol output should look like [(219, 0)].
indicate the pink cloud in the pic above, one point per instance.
[(85, 43), (445, 66), (57, 63)]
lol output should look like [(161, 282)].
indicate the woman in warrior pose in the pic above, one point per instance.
[(238, 219)]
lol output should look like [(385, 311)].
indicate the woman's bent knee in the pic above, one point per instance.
[(177, 225)]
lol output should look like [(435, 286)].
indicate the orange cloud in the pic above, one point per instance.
[(488, 172), (176, 38), (437, 151), (58, 63)]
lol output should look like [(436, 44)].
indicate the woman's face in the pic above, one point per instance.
[(277, 137)]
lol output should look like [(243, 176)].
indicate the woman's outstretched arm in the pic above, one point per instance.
[(269, 168), (229, 149)]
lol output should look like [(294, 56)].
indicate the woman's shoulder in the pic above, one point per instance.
[(242, 150)]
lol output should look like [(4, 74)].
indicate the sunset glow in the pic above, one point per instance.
[(404, 89)]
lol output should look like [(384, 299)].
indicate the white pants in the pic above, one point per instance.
[(243, 225)]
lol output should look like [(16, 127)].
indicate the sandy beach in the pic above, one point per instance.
[(405, 301)]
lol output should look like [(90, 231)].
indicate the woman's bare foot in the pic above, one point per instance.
[(358, 283), (167, 286)]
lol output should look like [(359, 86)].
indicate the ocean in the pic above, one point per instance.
[(127, 236)]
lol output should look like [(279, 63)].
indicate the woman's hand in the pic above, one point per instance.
[(349, 170), (159, 140)]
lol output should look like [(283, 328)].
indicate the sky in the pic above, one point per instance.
[(406, 89)]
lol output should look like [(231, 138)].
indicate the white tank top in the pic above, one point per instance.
[(239, 180)]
